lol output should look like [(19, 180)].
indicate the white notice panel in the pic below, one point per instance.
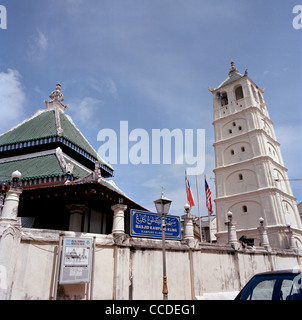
[(76, 260)]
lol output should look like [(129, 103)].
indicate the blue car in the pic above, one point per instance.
[(274, 285)]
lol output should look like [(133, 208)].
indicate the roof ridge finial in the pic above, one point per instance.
[(57, 95), (233, 69), (56, 99)]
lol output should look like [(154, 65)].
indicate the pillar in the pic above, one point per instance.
[(10, 237), (263, 236), (76, 216), (188, 226), (291, 240), (11, 204), (118, 218), (232, 234)]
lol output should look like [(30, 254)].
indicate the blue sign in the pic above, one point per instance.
[(148, 224)]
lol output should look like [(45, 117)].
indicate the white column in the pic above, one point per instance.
[(291, 240), (118, 218), (11, 204), (232, 234), (188, 226), (263, 236), (10, 236)]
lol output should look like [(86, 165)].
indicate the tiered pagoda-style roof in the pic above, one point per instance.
[(48, 147), (60, 171)]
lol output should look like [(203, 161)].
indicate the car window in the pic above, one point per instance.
[(286, 288), (296, 288), (273, 287), (263, 290)]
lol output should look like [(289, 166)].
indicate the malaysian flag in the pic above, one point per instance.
[(208, 197), (189, 193)]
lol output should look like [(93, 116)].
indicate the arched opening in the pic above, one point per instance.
[(239, 93), (224, 99)]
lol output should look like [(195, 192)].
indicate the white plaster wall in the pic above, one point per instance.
[(103, 273), (214, 272), (147, 274), (33, 271), (131, 272)]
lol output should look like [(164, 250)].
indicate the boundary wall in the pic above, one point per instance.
[(131, 268)]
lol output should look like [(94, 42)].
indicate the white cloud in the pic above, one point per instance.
[(37, 45), (103, 86), (85, 111), (12, 98), (111, 87)]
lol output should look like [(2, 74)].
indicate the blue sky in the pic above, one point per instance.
[(150, 63)]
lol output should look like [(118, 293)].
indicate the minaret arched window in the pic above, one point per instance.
[(239, 93), (224, 99)]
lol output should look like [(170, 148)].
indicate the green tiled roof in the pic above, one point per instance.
[(229, 80), (38, 167), (73, 134), (43, 125)]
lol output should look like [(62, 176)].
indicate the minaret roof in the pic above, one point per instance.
[(234, 75)]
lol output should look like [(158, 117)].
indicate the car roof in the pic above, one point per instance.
[(286, 271)]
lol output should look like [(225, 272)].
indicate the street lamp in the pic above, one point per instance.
[(187, 208), (16, 175), (162, 206), (230, 216), (261, 220)]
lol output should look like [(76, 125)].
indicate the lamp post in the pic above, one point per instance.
[(16, 175), (162, 206)]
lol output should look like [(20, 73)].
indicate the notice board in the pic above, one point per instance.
[(76, 260)]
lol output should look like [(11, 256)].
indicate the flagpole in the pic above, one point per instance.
[(209, 221), (198, 209)]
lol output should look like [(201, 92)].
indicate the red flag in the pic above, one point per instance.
[(189, 193), (208, 197)]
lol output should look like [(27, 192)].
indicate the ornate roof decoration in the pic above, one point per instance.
[(56, 99), (233, 76), (233, 69)]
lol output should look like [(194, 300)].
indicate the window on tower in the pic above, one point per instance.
[(240, 176), (239, 93), (224, 99), (244, 209)]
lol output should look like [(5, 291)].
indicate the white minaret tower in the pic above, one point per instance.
[(250, 176)]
